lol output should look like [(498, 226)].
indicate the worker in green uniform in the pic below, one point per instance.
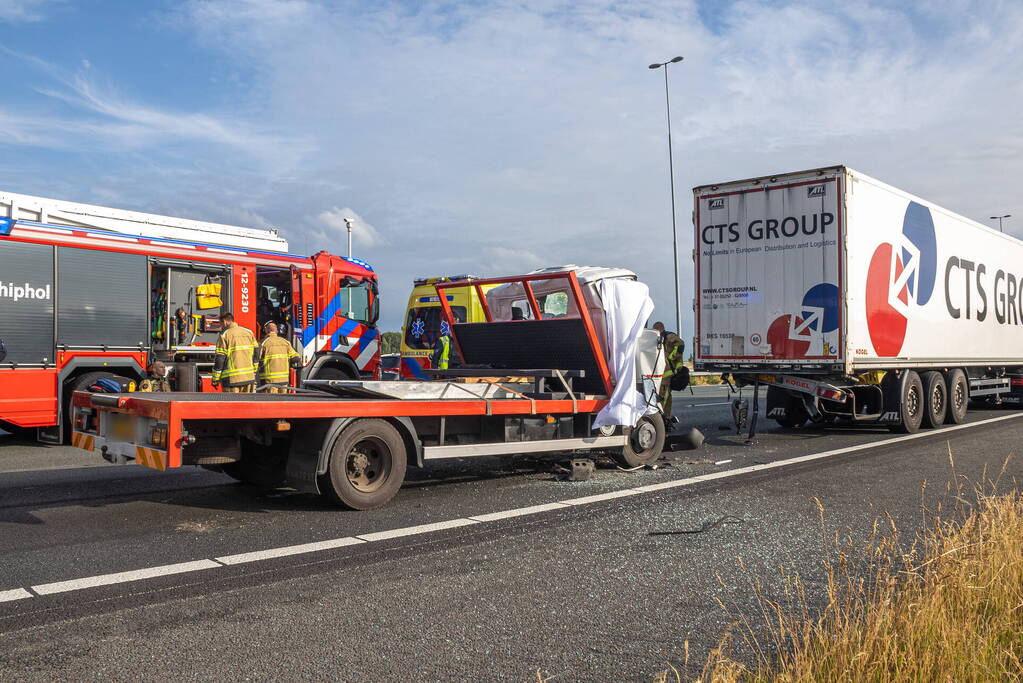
[(276, 358), (441, 357), (234, 365), (673, 348)]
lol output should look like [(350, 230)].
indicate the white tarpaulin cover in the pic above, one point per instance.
[(627, 305)]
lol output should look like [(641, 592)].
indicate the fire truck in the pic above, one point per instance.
[(88, 292)]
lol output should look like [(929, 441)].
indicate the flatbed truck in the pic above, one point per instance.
[(531, 383)]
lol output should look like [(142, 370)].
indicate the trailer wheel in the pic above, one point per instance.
[(958, 393), (367, 465), (795, 415), (644, 442), (935, 399), (906, 391)]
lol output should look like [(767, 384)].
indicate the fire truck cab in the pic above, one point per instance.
[(88, 292)]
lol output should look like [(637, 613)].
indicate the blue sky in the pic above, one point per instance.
[(494, 137)]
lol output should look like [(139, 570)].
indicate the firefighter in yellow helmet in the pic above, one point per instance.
[(276, 358), (234, 366)]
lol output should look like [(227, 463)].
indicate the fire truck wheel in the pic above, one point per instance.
[(958, 393), (935, 399), (80, 383), (18, 432), (367, 465), (331, 372), (644, 442)]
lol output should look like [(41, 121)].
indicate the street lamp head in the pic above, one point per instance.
[(676, 60), (655, 66)]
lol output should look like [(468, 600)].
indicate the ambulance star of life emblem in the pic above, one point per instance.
[(418, 327)]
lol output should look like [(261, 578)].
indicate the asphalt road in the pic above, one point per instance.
[(579, 591)]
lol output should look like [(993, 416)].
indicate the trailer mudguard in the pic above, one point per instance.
[(309, 456)]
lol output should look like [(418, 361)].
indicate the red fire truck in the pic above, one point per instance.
[(88, 292)]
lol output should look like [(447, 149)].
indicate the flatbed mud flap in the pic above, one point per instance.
[(310, 450)]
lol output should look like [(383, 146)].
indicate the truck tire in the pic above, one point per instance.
[(935, 399), (795, 412), (644, 442), (367, 465), (80, 383), (957, 389), (905, 393)]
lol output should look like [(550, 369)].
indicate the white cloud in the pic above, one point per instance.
[(488, 137), (23, 10)]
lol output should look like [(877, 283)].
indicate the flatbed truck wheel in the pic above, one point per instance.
[(935, 399), (367, 465), (958, 392), (645, 442), (907, 392)]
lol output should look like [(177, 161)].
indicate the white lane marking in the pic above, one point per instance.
[(107, 579), (518, 512), (596, 498), (413, 530), (270, 553), (121, 577), (16, 594)]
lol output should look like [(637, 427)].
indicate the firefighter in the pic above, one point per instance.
[(673, 348), (234, 367), (276, 358), (156, 378)]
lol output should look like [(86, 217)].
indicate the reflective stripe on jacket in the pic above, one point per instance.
[(276, 357), (236, 358)]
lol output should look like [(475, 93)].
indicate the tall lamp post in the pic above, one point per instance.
[(1000, 219), (671, 176)]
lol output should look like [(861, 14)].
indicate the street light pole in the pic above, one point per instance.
[(671, 176), (999, 219), (348, 224)]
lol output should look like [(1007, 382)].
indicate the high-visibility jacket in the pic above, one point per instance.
[(673, 349), (442, 353), (276, 358), (236, 358)]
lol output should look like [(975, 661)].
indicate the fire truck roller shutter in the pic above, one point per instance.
[(103, 298), (26, 303)]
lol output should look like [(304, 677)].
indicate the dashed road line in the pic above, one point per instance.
[(124, 577), (319, 546)]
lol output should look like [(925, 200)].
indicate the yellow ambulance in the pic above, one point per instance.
[(424, 319)]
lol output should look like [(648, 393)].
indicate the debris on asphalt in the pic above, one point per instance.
[(706, 526), (579, 469), (722, 462), (688, 441)]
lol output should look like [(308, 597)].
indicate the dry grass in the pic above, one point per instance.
[(949, 607)]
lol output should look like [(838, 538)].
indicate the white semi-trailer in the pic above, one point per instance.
[(851, 299)]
